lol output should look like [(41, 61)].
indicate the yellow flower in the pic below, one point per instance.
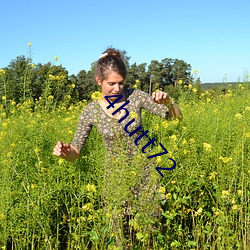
[(135, 86), (235, 207), (96, 96), (2, 72), (56, 58), (238, 116), (194, 90), (195, 71), (9, 154), (180, 82), (73, 85), (225, 159), (162, 190), (33, 186), (50, 97), (168, 196), (239, 192), (198, 212), (225, 193), (3, 97), (2, 217), (184, 141), (29, 44), (133, 173), (4, 124), (247, 135), (207, 147), (60, 161), (164, 124), (133, 115), (218, 212), (175, 122), (173, 137), (51, 77), (81, 219), (137, 81), (91, 188), (90, 217), (37, 149), (212, 175), (246, 108), (108, 215), (191, 140), (87, 207), (158, 159), (190, 86), (156, 127)]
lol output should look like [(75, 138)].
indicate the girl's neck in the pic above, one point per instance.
[(118, 103)]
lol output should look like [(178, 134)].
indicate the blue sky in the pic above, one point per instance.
[(212, 36)]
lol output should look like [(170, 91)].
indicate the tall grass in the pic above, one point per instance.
[(47, 203)]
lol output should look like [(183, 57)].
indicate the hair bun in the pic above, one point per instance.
[(111, 52)]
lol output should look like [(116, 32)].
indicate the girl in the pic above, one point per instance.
[(120, 137)]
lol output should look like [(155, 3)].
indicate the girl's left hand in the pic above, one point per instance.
[(161, 97)]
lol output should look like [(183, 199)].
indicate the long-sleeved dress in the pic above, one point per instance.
[(122, 173)]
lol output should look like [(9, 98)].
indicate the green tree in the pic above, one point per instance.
[(181, 71), (86, 84), (138, 72), (18, 79), (52, 80)]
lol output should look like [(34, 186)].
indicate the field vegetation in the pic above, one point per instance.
[(48, 203)]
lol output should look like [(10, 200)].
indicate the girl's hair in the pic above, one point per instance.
[(110, 60)]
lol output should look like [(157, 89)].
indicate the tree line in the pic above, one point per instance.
[(23, 79)]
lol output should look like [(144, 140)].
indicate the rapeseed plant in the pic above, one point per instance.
[(207, 147), (56, 200), (97, 95)]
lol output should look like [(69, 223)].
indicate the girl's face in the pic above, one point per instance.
[(112, 85)]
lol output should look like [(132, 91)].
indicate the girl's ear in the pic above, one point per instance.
[(98, 80)]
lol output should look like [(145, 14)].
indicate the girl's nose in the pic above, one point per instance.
[(116, 87)]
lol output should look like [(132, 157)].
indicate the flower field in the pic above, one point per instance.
[(47, 203)]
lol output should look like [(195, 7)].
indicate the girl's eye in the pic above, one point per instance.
[(112, 83)]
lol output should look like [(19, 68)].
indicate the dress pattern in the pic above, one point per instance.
[(112, 131)]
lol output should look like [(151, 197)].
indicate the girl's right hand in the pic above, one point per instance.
[(62, 149)]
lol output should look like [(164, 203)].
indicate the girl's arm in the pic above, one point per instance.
[(163, 98), (160, 104), (70, 152)]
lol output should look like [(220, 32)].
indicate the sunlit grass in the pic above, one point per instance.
[(47, 203)]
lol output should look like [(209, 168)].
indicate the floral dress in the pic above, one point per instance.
[(111, 130), (136, 187)]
